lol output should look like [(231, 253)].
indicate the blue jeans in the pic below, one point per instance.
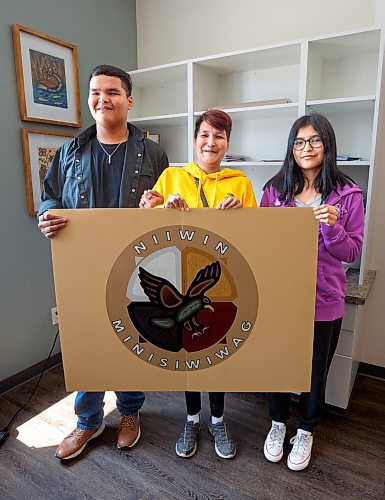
[(89, 407)]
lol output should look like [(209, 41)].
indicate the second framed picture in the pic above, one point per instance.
[(47, 78), (39, 148)]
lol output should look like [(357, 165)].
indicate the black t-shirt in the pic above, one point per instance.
[(106, 178)]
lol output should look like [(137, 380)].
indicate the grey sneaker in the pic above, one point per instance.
[(186, 446), (224, 445)]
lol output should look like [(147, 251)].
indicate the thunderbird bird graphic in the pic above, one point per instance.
[(184, 307)]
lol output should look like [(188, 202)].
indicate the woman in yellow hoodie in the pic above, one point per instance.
[(204, 184)]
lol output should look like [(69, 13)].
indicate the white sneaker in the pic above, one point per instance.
[(273, 448), (300, 454)]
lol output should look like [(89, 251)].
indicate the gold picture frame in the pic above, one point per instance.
[(47, 78), (153, 137), (39, 148)]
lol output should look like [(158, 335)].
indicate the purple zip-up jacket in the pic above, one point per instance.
[(336, 244)]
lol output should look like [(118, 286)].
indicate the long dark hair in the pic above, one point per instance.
[(290, 181)]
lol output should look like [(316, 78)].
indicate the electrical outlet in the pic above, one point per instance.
[(54, 315)]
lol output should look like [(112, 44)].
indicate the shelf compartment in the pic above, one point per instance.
[(354, 163), (240, 164), (159, 90), (172, 130), (353, 128), (260, 132), (343, 105), (262, 112), (344, 65), (359, 173), (171, 120), (257, 174), (258, 74), (251, 59)]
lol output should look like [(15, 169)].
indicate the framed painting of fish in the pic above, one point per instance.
[(39, 148), (47, 78)]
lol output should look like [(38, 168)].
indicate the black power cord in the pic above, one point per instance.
[(4, 433)]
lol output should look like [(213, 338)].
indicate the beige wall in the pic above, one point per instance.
[(174, 30), (165, 35)]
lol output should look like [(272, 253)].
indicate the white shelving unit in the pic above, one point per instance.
[(161, 107), (338, 76)]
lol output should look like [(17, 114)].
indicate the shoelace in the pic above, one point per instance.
[(128, 421), (188, 431), (77, 434), (299, 442), (220, 431), (276, 435)]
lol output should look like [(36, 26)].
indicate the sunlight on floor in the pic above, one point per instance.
[(49, 427)]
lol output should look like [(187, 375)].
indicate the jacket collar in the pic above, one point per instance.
[(89, 133)]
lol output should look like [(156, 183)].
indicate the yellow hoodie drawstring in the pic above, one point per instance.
[(201, 174), (215, 189), (199, 189)]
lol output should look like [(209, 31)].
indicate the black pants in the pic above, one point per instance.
[(326, 335), (217, 403)]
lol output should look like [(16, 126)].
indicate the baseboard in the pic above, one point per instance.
[(371, 370), (29, 373), (34, 370), (335, 410)]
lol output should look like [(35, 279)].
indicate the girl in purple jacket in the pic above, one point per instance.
[(310, 177)]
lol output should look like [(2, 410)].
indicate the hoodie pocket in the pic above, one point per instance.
[(324, 290)]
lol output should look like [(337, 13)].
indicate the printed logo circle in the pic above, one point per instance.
[(182, 298)]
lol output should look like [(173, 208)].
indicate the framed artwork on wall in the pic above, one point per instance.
[(153, 137), (47, 78), (39, 148)]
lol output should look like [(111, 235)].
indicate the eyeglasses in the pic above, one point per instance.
[(315, 142)]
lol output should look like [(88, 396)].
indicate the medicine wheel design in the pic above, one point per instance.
[(182, 298)]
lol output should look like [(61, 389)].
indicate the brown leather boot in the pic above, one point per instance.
[(129, 431), (75, 442)]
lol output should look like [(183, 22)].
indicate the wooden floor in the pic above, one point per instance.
[(348, 453)]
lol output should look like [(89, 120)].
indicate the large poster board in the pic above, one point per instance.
[(203, 300)]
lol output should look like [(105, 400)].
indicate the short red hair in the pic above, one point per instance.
[(217, 119)]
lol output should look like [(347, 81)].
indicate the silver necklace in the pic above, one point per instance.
[(113, 152)]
